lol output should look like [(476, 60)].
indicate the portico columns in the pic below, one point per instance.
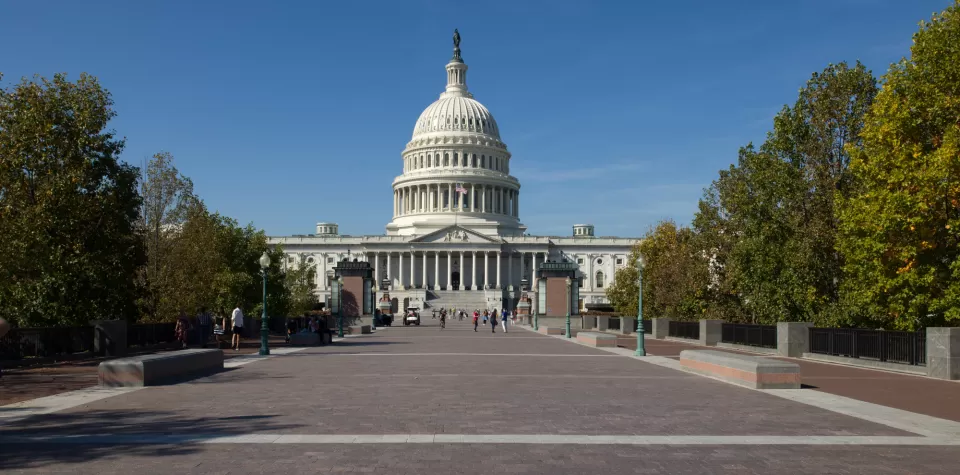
[(400, 274), (499, 258), (424, 277), (486, 269), (436, 271), (509, 268), (473, 271), (413, 270), (449, 270), (389, 254), (376, 269), (463, 275)]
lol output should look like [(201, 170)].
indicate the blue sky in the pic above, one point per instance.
[(291, 112)]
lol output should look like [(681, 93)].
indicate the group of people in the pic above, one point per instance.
[(487, 316), (204, 322)]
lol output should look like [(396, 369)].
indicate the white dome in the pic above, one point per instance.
[(456, 114)]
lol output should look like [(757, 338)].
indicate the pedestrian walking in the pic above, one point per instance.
[(493, 321), (503, 320), (486, 314), (206, 326), (182, 329), (237, 318), (476, 320), (443, 319)]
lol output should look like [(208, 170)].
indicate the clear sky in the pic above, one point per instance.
[(286, 113)]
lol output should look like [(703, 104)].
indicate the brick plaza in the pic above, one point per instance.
[(422, 400)]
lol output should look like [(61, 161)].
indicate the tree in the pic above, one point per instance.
[(68, 207), (299, 284), (168, 202), (674, 277), (769, 222), (899, 230)]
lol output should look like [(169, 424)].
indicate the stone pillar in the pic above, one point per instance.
[(413, 270), (628, 325), (499, 258), (710, 332), (449, 270), (603, 323), (400, 274), (376, 270), (449, 208), (463, 274), (436, 271), (473, 271), (486, 268), (110, 337), (943, 353), (661, 327), (793, 338), (389, 255), (424, 277)]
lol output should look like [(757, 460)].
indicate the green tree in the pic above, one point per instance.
[(674, 277), (899, 230), (68, 207)]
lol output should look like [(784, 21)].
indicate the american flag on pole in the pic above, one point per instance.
[(460, 189)]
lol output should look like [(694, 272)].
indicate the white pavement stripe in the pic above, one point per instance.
[(58, 402), (524, 376), (570, 439), (394, 355), (897, 418)]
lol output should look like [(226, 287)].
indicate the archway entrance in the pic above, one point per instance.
[(455, 280)]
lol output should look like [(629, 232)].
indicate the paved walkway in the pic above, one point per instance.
[(933, 397), (424, 400)]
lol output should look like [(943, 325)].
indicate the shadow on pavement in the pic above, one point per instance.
[(129, 423)]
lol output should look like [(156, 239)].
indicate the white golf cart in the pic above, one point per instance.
[(411, 316)]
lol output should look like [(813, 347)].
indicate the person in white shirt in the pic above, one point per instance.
[(237, 318), (503, 319)]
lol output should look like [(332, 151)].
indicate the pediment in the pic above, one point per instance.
[(455, 234)]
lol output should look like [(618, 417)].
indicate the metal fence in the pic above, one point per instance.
[(892, 346), (613, 323), (764, 336), (146, 334), (689, 330), (648, 327), (21, 343)]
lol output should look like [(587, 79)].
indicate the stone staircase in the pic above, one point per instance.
[(465, 299)]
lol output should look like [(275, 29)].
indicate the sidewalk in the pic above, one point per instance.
[(21, 384), (933, 397)]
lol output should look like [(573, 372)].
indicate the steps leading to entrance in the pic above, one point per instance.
[(465, 299)]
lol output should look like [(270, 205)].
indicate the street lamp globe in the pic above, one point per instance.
[(264, 260), (568, 282), (641, 262)]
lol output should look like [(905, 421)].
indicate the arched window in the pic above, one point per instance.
[(483, 161), (456, 159), (599, 279), (474, 164), (446, 159)]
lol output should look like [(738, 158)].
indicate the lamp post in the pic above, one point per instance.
[(340, 306), (536, 309), (641, 351), (568, 282), (264, 320)]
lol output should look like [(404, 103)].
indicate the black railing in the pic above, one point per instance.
[(689, 330), (21, 343), (147, 334), (613, 323), (764, 336), (891, 346), (648, 327)]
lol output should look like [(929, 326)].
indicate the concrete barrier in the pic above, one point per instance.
[(551, 330), (599, 340), (305, 339), (751, 371), (359, 330), (149, 370)]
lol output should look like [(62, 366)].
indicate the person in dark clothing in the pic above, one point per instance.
[(493, 322), (476, 320), (206, 326)]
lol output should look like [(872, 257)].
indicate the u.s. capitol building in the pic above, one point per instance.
[(456, 239)]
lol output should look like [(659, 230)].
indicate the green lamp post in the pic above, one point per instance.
[(264, 320), (568, 282), (641, 351), (340, 306)]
